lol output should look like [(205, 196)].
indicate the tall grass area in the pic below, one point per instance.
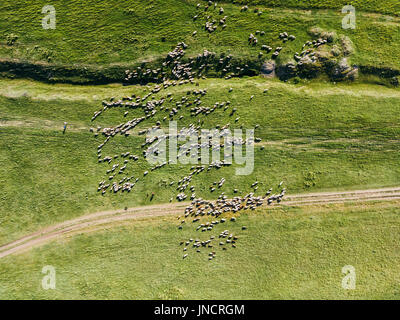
[(315, 137), (103, 33), (286, 253), (382, 6)]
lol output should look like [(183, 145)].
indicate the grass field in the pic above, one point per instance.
[(315, 137), (287, 253), (382, 6), (127, 33)]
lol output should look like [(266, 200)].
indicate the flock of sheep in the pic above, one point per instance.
[(203, 215)]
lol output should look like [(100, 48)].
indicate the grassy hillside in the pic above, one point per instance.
[(314, 137), (111, 33), (382, 6), (286, 253)]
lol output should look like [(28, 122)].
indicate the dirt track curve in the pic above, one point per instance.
[(88, 222)]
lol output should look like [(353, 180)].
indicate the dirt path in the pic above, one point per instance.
[(88, 222)]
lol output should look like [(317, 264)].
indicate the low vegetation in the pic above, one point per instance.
[(80, 50), (286, 253), (314, 137), (328, 121)]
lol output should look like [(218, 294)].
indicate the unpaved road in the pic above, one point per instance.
[(88, 222)]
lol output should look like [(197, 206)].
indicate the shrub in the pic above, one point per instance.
[(315, 32), (309, 179), (336, 50), (11, 39), (347, 45), (395, 81), (330, 36)]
